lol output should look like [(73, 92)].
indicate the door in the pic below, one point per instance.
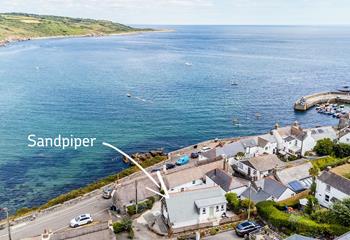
[(249, 171), (211, 212)]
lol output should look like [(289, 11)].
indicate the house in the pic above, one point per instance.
[(267, 189), (331, 187), (230, 150), (312, 135), (345, 236), (299, 237), (227, 182), (250, 146), (344, 136), (296, 177), (267, 144), (191, 177), (193, 209), (258, 167)]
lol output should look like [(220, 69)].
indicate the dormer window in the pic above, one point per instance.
[(217, 208), (328, 188), (204, 210)]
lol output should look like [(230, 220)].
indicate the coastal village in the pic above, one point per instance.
[(289, 183)]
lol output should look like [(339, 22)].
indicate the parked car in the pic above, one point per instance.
[(205, 149), (182, 161), (244, 228), (155, 170), (194, 155), (107, 193), (81, 220), (169, 166)]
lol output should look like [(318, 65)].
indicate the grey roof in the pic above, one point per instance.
[(323, 132), (297, 172), (264, 162), (271, 186), (298, 237), (231, 149), (345, 236), (256, 195), (206, 202), (269, 137), (336, 181), (289, 138), (181, 205), (225, 181), (249, 142)]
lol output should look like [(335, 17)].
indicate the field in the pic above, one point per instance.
[(343, 170), (19, 26)]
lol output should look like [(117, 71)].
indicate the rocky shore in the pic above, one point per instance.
[(142, 156)]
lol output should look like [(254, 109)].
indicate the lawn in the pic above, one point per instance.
[(343, 170)]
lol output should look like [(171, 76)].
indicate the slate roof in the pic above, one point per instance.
[(264, 162), (336, 181), (206, 202), (323, 132), (230, 150), (299, 237), (249, 142), (293, 173), (289, 138), (256, 195), (181, 205), (345, 236), (225, 181), (271, 186)]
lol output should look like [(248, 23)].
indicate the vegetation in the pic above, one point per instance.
[(141, 207), (236, 205), (328, 147), (293, 223), (17, 26), (91, 187), (341, 212), (125, 225)]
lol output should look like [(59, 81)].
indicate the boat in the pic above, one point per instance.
[(234, 83), (128, 95), (188, 64), (342, 106)]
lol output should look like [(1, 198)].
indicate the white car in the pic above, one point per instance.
[(81, 220), (205, 149)]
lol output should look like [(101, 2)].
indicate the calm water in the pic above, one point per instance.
[(79, 86)]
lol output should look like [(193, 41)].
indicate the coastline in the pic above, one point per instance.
[(4, 43)]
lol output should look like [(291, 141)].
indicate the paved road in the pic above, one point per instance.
[(224, 236), (59, 220)]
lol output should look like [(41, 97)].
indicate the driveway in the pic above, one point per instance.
[(224, 236)]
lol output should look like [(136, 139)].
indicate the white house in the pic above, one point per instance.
[(344, 136), (267, 143), (312, 135), (250, 145), (192, 208), (267, 189), (331, 187), (258, 167)]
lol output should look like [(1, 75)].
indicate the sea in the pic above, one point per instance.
[(185, 86)]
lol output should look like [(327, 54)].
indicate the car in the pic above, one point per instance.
[(205, 149), (169, 166), (194, 155), (182, 161), (107, 193), (155, 170), (81, 220), (244, 228)]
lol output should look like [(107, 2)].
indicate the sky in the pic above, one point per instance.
[(179, 12)]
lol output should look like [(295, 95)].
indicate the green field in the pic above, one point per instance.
[(20, 26)]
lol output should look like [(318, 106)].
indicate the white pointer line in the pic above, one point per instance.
[(144, 170)]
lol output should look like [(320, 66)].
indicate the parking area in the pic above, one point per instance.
[(224, 236)]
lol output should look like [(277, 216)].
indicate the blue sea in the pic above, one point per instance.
[(181, 93)]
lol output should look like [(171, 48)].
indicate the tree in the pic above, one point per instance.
[(341, 212), (324, 147), (312, 205), (341, 150), (125, 225), (233, 201), (314, 171)]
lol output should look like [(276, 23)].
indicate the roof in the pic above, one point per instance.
[(249, 142), (296, 186), (344, 132), (293, 173), (206, 202), (256, 195), (189, 174), (230, 150), (262, 142), (181, 205), (345, 236), (269, 137), (323, 132), (271, 186), (298, 237), (225, 181), (264, 162), (335, 181), (289, 138)]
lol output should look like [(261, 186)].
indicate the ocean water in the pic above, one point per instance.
[(181, 90)]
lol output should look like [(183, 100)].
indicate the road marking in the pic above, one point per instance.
[(144, 170), (19, 225)]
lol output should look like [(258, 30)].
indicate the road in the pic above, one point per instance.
[(230, 235), (59, 219)]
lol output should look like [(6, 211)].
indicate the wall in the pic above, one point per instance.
[(321, 192)]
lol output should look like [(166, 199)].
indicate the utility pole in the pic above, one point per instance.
[(250, 190), (136, 206), (8, 221)]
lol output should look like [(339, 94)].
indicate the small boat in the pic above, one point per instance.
[(342, 106), (344, 112), (188, 64), (335, 105), (234, 83), (128, 95)]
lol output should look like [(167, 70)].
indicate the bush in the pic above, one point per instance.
[(141, 207), (322, 216), (324, 147), (341, 150), (323, 163), (233, 201), (245, 204), (297, 224), (125, 225)]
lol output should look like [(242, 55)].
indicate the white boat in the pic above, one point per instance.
[(188, 64), (128, 95)]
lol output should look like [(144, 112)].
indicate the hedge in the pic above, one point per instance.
[(291, 223), (141, 207), (323, 163)]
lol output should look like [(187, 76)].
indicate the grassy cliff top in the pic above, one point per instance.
[(18, 26)]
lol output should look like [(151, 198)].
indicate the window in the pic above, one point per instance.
[(182, 189), (328, 188), (222, 208), (194, 182), (204, 210), (240, 165), (217, 208), (326, 198), (254, 172)]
